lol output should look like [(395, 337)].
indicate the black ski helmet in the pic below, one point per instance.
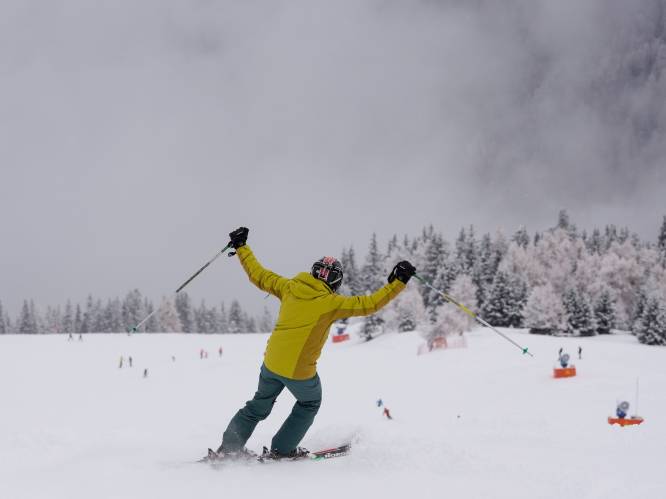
[(329, 270)]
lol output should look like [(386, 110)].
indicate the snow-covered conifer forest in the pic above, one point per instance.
[(558, 281)]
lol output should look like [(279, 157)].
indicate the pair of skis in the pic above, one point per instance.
[(342, 450)]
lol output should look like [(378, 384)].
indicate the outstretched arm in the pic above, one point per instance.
[(259, 276), (352, 306)]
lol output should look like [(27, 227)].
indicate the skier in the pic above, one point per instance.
[(130, 360), (559, 353), (145, 373), (580, 352), (387, 413), (309, 305), (120, 366), (220, 351)]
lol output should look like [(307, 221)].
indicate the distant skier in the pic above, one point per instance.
[(70, 337), (201, 353), (120, 365), (80, 337), (622, 409), (173, 358), (309, 305), (564, 360), (559, 353), (145, 373), (380, 402), (580, 352), (387, 413), (129, 360), (220, 351)]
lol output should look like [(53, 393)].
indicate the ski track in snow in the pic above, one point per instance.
[(484, 421)]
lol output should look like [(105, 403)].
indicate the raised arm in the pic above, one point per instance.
[(353, 306), (259, 276), (350, 306), (263, 278)]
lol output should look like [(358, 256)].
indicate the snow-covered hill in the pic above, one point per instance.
[(484, 421)]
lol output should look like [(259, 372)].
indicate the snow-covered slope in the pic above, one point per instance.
[(484, 421)]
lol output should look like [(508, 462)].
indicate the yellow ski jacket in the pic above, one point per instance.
[(308, 308)]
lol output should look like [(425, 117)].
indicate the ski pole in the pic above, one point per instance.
[(180, 288), (473, 315)]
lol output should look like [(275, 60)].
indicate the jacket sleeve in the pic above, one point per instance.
[(351, 306), (261, 277)]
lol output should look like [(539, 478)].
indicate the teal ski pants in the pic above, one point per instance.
[(308, 399)]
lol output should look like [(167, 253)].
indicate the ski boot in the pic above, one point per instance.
[(273, 455)]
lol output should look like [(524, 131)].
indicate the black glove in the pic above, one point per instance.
[(239, 237), (403, 271)]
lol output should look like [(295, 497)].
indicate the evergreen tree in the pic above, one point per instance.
[(26, 322), (604, 313), (3, 322), (235, 318), (86, 324), (516, 303), (352, 280), (185, 312), (250, 324), (661, 242), (78, 320), (37, 322), (521, 237), (406, 312), (223, 320), (450, 320), (152, 325), (485, 269), (580, 316), (435, 271), (497, 307), (266, 321), (544, 312), (639, 307), (68, 319), (650, 329), (168, 318), (595, 244), (134, 310), (372, 273)]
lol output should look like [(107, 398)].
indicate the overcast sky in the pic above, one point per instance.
[(135, 135)]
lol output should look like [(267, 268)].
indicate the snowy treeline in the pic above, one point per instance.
[(118, 315), (559, 281)]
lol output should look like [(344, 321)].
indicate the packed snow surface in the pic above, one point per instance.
[(476, 422)]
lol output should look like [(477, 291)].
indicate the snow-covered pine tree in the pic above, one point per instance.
[(604, 313), (26, 323), (3, 321), (581, 320), (484, 270), (250, 325), (235, 318), (521, 237), (595, 243), (185, 312), (223, 320), (88, 319), (450, 319), (266, 321), (516, 303), (544, 312), (78, 320), (133, 310), (650, 329), (373, 271), (152, 324), (351, 284), (38, 321), (372, 278), (168, 317), (661, 242), (406, 312), (497, 307), (435, 270)]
